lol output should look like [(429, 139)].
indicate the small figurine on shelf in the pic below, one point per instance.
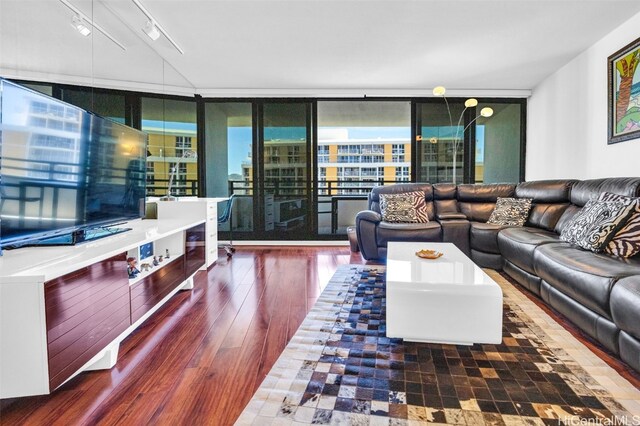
[(166, 255), (132, 271), (145, 267), (155, 261)]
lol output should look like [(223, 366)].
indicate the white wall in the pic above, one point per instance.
[(567, 118)]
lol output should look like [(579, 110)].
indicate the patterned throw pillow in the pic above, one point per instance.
[(510, 211), (404, 207), (595, 225), (626, 242)]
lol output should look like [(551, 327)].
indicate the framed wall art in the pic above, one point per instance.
[(624, 93)]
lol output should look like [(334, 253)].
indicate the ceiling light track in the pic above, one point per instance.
[(90, 21), (152, 27)]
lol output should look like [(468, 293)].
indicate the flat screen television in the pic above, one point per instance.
[(64, 170)]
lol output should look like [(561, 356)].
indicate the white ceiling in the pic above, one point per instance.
[(307, 47)]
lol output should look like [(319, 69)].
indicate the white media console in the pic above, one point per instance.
[(65, 309)]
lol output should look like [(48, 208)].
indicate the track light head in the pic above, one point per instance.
[(79, 25), (151, 30)]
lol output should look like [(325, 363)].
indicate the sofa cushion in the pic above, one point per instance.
[(430, 231), (584, 276), (510, 211), (404, 207), (517, 245), (484, 237), (625, 300), (626, 242), (596, 224)]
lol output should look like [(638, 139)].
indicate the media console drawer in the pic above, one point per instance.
[(85, 310)]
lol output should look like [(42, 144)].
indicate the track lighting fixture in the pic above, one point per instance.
[(151, 30), (78, 24), (85, 24)]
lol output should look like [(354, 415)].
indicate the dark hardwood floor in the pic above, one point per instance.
[(201, 357)]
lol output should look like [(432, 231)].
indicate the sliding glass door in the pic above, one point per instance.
[(285, 169), (440, 141), (298, 179), (361, 144)]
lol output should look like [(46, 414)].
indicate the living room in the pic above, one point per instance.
[(248, 157)]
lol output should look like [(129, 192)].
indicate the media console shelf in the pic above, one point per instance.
[(64, 310)]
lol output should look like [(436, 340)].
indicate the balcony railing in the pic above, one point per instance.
[(183, 187)]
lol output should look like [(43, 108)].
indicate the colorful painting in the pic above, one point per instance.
[(624, 93)]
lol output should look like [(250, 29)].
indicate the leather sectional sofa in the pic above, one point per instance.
[(597, 292)]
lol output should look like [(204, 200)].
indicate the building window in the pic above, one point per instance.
[(397, 153), (402, 174), (323, 154), (183, 144)]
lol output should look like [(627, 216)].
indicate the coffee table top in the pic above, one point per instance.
[(454, 268)]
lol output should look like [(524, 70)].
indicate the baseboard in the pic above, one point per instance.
[(284, 243)]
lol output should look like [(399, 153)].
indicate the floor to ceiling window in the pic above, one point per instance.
[(441, 148), (172, 146), (498, 143), (458, 144), (261, 153), (229, 159), (109, 105), (302, 169), (361, 144)]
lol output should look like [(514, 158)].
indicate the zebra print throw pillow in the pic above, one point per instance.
[(510, 211), (404, 207), (626, 242), (595, 225)]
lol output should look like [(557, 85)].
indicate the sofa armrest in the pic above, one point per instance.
[(369, 216), (450, 216), (366, 224), (457, 232)]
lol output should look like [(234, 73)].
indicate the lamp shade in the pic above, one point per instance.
[(470, 103), (439, 91), (486, 112)]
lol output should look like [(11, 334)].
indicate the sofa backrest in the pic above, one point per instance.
[(478, 201), (445, 200), (550, 200), (585, 190), (427, 188)]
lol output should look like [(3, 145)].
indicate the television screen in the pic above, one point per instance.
[(63, 169)]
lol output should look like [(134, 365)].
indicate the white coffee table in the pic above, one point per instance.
[(446, 300)]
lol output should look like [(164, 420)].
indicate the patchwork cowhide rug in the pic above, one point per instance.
[(340, 368)]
